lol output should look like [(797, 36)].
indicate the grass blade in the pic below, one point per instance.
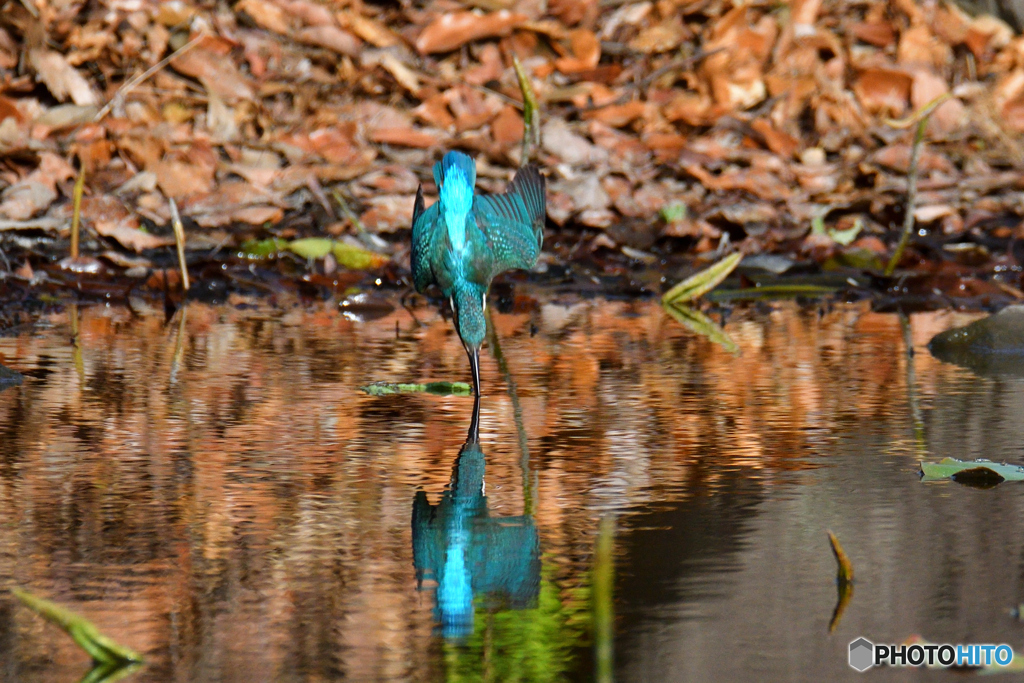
[(101, 648), (697, 322), (703, 282)]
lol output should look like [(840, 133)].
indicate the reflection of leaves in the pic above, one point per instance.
[(438, 388), (702, 282), (101, 648), (109, 673), (524, 645), (971, 471), (699, 323), (773, 292)]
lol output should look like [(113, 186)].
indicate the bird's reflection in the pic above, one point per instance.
[(468, 554)]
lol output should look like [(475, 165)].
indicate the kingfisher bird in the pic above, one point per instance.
[(464, 239)]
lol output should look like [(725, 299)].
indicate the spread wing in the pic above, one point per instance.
[(513, 222), (425, 226)]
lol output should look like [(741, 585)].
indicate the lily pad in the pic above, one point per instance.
[(102, 649), (976, 472), (437, 388)]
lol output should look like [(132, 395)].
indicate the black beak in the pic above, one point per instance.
[(474, 425), (474, 364)]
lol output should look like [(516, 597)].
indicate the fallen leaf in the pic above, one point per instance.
[(370, 30), (618, 115), (216, 71), (450, 31), (508, 127), (883, 91), (110, 218), (406, 137), (572, 148), (663, 37), (331, 38), (266, 15), (388, 213), (60, 78)]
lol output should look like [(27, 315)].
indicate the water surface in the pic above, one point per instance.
[(217, 493)]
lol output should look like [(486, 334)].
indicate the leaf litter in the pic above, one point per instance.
[(672, 134)]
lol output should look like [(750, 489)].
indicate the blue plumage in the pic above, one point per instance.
[(463, 240)]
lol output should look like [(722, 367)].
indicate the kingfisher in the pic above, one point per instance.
[(464, 239)]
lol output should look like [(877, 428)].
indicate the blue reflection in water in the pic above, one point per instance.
[(467, 553)]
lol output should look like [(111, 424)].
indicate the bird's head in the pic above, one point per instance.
[(455, 176), (468, 303)]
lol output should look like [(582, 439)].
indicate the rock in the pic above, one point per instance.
[(990, 346)]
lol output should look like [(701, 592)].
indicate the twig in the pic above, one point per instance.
[(76, 213), (644, 82), (921, 118), (179, 239), (531, 112), (133, 82)]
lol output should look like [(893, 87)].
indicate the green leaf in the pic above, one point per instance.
[(354, 258), (673, 212), (437, 388), (845, 237), (261, 249), (311, 247), (101, 648), (971, 471), (702, 282), (699, 323)]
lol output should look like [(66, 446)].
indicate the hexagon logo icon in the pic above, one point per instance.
[(862, 654)]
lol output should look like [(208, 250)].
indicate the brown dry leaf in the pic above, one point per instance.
[(897, 157), (216, 70), (335, 145), (884, 91), (309, 13), (490, 68), (507, 127), (183, 173), (406, 137), (234, 201), (918, 47), (388, 213), (434, 111), (755, 181), (879, 34), (331, 38), (950, 116), (450, 31), (663, 37), (266, 15), (573, 149), (618, 115), (370, 30), (34, 194), (61, 79), (777, 141), (572, 12), (586, 50), (1008, 97), (110, 218)]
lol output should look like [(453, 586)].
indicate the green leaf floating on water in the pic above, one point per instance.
[(438, 388), (971, 471), (347, 255), (699, 323), (703, 282), (101, 648)]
